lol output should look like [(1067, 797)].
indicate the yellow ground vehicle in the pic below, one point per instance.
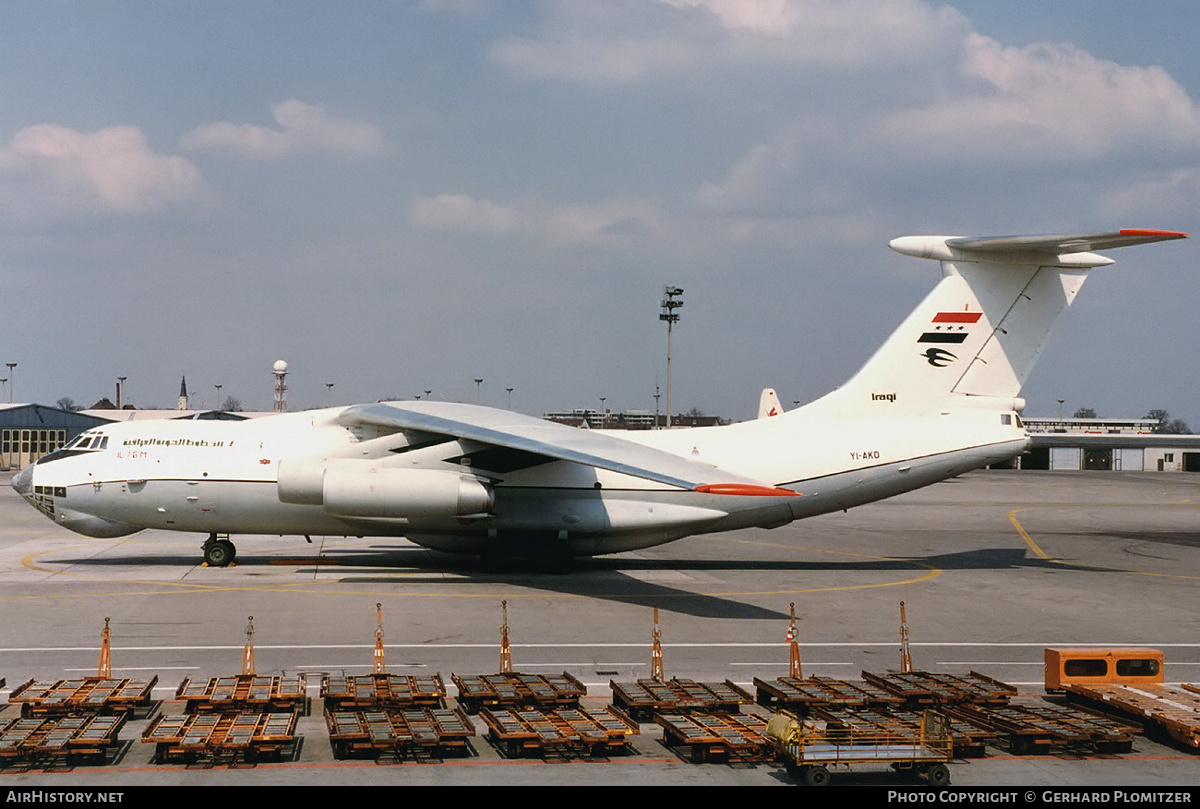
[(809, 749)]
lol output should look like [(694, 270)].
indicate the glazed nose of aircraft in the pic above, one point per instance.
[(23, 482)]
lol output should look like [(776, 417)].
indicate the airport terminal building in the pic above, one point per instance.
[(1117, 445)]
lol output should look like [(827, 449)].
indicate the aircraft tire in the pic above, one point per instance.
[(219, 553)]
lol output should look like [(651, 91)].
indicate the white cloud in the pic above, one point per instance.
[(1154, 198), (1045, 102), (564, 224), (607, 41), (464, 213), (303, 129), (51, 170)]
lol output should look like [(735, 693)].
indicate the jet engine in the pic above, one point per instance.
[(355, 489)]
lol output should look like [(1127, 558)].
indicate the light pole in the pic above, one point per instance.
[(1060, 404), (121, 391), (218, 401), (603, 413), (329, 393), (12, 380), (669, 305), (510, 390), (478, 382)]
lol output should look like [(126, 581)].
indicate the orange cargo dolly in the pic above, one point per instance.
[(190, 736), (924, 688), (717, 737), (573, 730), (84, 695), (1039, 728), (796, 694), (345, 692), (510, 689), (245, 692), (644, 698), (1174, 710), (1102, 665), (438, 731), (71, 738)]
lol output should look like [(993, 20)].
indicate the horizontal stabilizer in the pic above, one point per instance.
[(1072, 249), (1059, 245)]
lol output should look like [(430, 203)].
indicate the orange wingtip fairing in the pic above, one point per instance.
[(746, 490), (1171, 234)]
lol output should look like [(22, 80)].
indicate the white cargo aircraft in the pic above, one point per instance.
[(938, 399)]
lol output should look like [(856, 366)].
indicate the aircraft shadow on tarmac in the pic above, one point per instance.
[(609, 578)]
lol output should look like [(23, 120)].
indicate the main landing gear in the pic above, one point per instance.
[(218, 552)]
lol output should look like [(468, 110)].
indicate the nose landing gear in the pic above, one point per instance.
[(218, 552)]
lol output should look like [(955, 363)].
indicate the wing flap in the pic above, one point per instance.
[(502, 428)]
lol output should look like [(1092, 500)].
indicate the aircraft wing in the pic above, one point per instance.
[(502, 428)]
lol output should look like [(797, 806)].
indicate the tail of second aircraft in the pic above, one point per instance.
[(982, 328), (768, 404)]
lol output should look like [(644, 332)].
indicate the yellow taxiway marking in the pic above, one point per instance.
[(1041, 554), (1033, 546), (165, 587)]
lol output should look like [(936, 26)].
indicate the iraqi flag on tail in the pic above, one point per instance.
[(950, 327)]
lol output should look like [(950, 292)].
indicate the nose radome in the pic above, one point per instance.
[(22, 482)]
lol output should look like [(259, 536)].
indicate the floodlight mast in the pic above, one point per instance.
[(669, 305)]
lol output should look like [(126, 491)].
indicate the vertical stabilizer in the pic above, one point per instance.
[(768, 404), (980, 331)]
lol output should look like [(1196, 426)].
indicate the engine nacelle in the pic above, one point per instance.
[(390, 493), (302, 480), (357, 488)]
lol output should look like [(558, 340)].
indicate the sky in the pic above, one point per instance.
[(401, 197)]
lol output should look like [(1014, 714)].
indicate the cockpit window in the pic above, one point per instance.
[(85, 442)]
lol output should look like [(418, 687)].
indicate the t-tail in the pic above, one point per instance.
[(979, 333)]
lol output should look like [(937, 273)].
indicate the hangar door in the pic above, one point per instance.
[(20, 447), (1128, 460), (1098, 460), (1066, 458)]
